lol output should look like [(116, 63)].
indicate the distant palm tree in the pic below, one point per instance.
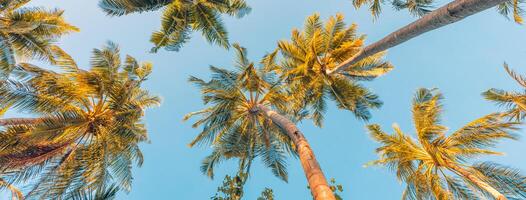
[(320, 47), (85, 126), (422, 7), (514, 101), (435, 165), (445, 15), (181, 17), (28, 32), (239, 122), (266, 194)]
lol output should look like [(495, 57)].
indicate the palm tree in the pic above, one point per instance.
[(422, 7), (266, 194), (448, 14), (514, 101), (85, 127), (28, 32), (181, 17), (319, 47), (240, 118), (435, 165)]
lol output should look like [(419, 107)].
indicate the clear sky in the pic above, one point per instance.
[(462, 60)]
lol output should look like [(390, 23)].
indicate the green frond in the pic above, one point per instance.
[(124, 7), (175, 28), (482, 133), (514, 8), (507, 180), (274, 158), (210, 24)]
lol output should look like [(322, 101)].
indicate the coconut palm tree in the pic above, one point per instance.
[(436, 165), (448, 14), (85, 125), (422, 7), (181, 17), (247, 113), (515, 102), (319, 47), (29, 32)]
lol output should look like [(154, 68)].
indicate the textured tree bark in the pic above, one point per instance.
[(448, 14), (468, 175), (19, 121), (317, 182)]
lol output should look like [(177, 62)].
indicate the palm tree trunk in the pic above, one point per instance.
[(448, 14), (468, 175), (318, 184), (19, 121)]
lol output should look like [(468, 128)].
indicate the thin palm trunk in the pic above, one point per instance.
[(468, 175), (448, 14), (19, 121), (317, 182)]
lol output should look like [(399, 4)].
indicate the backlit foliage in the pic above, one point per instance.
[(85, 129), (233, 124), (29, 32), (181, 17), (320, 47), (423, 163), (514, 102), (422, 7)]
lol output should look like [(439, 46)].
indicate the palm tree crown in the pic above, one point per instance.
[(320, 47), (86, 126), (232, 122), (28, 32), (422, 7), (428, 164), (181, 17), (514, 101)]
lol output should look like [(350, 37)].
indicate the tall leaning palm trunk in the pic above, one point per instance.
[(448, 14), (317, 182)]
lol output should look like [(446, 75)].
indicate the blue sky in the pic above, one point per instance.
[(462, 60)]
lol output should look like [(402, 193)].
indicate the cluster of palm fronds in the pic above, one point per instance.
[(28, 32), (85, 127), (296, 86), (181, 17), (436, 165)]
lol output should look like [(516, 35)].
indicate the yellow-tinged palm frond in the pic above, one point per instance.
[(429, 163), (318, 48), (181, 17), (514, 102), (29, 33), (427, 107), (513, 8), (232, 122), (88, 128)]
